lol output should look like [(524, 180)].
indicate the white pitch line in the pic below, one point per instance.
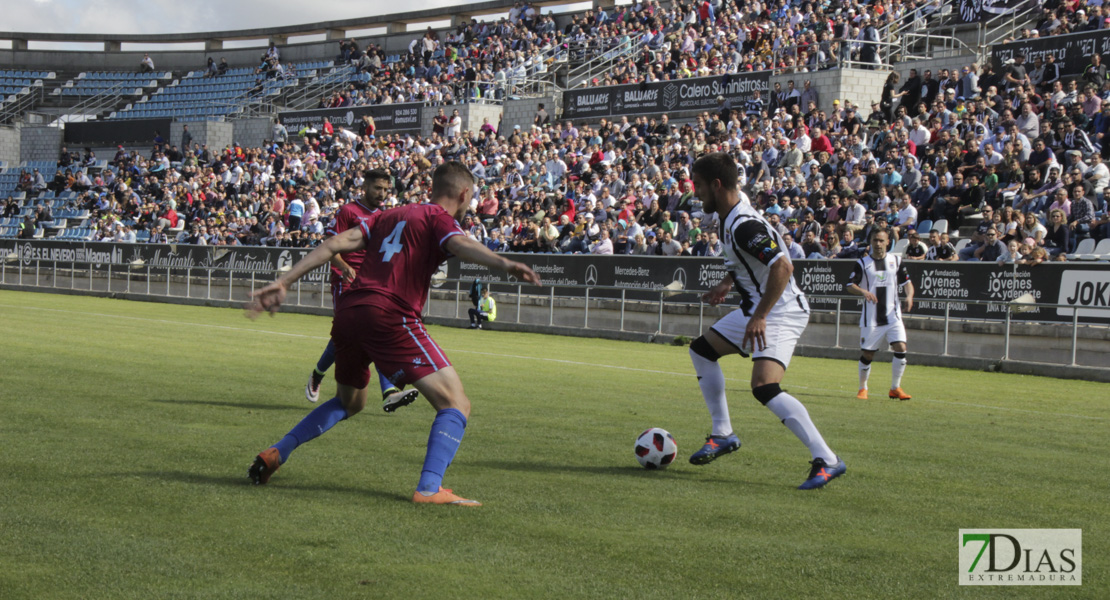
[(1035, 412), (518, 357)]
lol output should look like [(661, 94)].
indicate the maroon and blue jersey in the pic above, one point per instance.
[(404, 248), (351, 215)]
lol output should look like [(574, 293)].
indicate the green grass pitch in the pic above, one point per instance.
[(127, 429)]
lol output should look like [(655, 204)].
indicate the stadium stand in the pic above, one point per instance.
[(198, 97), (96, 82), (960, 153)]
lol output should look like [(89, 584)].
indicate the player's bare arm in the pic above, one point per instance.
[(909, 296), (717, 293), (270, 297), (468, 249), (348, 271), (777, 279), (854, 289)]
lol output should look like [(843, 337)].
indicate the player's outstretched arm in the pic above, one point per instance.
[(854, 289), (468, 249), (270, 297)]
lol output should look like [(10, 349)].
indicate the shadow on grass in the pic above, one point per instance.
[(608, 471), (239, 482), (246, 405)]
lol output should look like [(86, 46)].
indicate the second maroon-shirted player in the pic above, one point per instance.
[(378, 321), (375, 189)]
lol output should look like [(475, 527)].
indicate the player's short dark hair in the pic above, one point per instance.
[(876, 231), (717, 166), (377, 175), (450, 178)]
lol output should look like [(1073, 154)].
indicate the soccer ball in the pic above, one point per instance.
[(656, 448)]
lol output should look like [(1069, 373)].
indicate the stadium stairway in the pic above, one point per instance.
[(932, 37)]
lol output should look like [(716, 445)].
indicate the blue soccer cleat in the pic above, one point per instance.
[(715, 445), (821, 473)]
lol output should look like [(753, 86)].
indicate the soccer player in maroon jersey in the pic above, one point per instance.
[(378, 321), (344, 267)]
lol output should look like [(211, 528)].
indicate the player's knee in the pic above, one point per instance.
[(460, 403), (865, 358), (764, 393), (353, 404), (704, 349)]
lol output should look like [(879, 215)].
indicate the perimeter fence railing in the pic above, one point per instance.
[(563, 308)]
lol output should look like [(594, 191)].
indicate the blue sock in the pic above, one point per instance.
[(443, 442), (327, 359), (385, 383), (323, 418)]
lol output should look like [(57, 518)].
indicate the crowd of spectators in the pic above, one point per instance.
[(1059, 17), (1017, 155), (680, 40), (699, 39), (477, 60), (685, 39)]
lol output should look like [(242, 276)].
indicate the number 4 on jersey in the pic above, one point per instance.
[(392, 243)]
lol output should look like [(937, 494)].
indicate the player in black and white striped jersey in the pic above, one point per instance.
[(753, 107), (878, 277), (772, 316)]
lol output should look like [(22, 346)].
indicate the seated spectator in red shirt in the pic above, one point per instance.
[(821, 142)]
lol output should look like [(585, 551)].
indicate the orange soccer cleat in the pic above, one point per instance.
[(898, 394), (862, 395), (443, 496), (265, 464)]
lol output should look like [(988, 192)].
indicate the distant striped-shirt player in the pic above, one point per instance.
[(771, 317), (753, 107), (878, 277)]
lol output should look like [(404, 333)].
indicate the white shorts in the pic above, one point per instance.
[(871, 338), (784, 327)]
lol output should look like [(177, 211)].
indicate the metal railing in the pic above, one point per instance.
[(1006, 25), (1009, 306), (621, 309), (848, 55), (309, 93), (603, 60), (16, 105), (107, 99), (531, 88), (917, 20), (930, 44), (249, 103)]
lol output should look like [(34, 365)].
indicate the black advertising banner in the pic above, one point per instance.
[(680, 95), (159, 257), (1078, 284), (643, 278), (1073, 51), (122, 131), (387, 117)]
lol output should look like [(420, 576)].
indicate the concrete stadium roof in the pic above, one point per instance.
[(395, 22)]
